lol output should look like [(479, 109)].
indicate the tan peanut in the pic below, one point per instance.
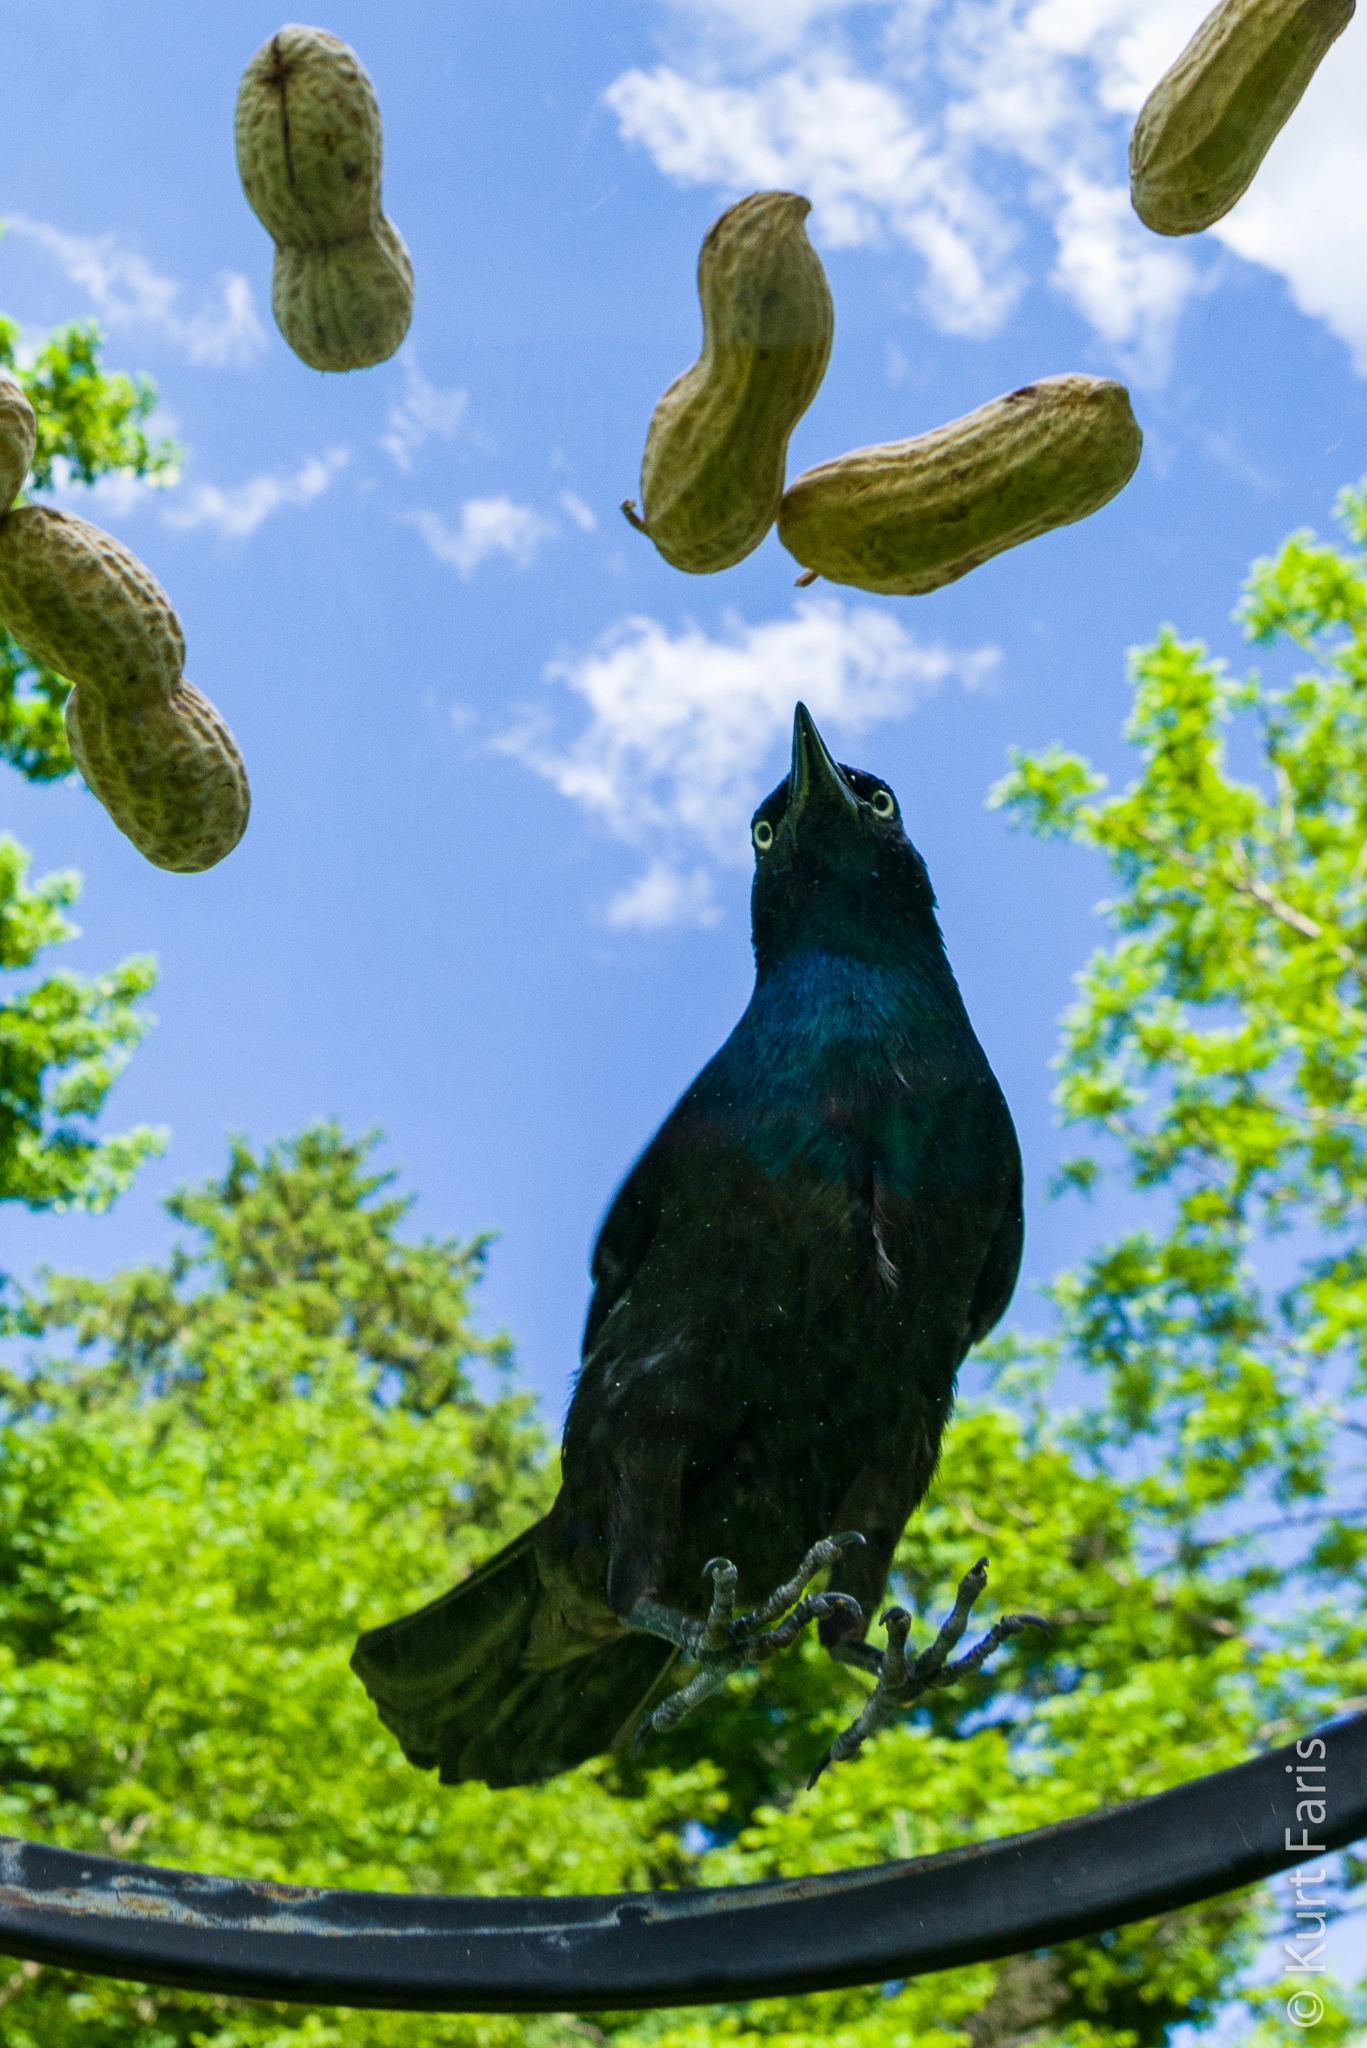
[(712, 475), (909, 516), (343, 307), (18, 438), (1213, 116), (154, 751), (82, 604), (309, 152), (167, 770)]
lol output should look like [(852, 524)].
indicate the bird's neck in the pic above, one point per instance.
[(846, 997)]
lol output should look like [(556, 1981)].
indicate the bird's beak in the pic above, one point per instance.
[(815, 786)]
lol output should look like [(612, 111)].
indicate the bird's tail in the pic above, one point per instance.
[(456, 1685)]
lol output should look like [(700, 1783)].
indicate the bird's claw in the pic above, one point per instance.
[(902, 1680), (727, 1641)]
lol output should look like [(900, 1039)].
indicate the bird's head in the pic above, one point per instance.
[(834, 870)]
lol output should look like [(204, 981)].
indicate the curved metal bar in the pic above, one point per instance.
[(416, 1952)]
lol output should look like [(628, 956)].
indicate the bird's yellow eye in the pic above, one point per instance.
[(763, 834), (881, 803)]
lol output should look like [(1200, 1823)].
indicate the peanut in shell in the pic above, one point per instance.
[(18, 438), (166, 769), (346, 306), (81, 603), (1213, 116), (309, 153), (309, 141), (909, 516), (712, 474)]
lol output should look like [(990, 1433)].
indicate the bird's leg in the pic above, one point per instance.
[(726, 1641), (902, 1680)]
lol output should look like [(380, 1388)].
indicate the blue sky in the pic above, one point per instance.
[(494, 893)]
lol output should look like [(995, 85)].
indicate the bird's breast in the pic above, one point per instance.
[(840, 1068)]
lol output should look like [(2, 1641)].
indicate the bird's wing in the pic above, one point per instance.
[(989, 1179), (701, 1122), (625, 1237), (997, 1278)]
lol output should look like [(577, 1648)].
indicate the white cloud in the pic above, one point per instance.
[(116, 496), (423, 410), (225, 330), (759, 26), (976, 115), (682, 728), (237, 511), (662, 896), (127, 292), (488, 526), (1130, 285), (853, 145), (1305, 215), (573, 506)]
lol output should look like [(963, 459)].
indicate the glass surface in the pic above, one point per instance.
[(514, 775)]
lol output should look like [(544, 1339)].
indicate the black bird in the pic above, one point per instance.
[(784, 1288)]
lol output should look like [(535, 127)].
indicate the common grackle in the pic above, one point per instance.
[(784, 1288)]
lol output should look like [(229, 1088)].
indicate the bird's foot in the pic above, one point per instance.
[(903, 1680), (727, 1641)]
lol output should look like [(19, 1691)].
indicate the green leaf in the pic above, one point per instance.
[(64, 1040), (89, 419)]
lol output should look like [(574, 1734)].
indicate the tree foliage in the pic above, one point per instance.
[(32, 732), (90, 420), (65, 1038), (1217, 1050), (307, 1231), (217, 1471)]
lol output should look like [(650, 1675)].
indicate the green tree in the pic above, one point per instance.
[(1217, 1054), (65, 1038), (216, 1471), (245, 1456)]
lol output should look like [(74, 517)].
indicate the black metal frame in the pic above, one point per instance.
[(422, 1952)]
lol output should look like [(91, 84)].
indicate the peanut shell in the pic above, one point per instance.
[(909, 516), (347, 306), (166, 769), (1213, 116), (712, 475), (309, 141), (77, 600), (18, 438), (309, 153)]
